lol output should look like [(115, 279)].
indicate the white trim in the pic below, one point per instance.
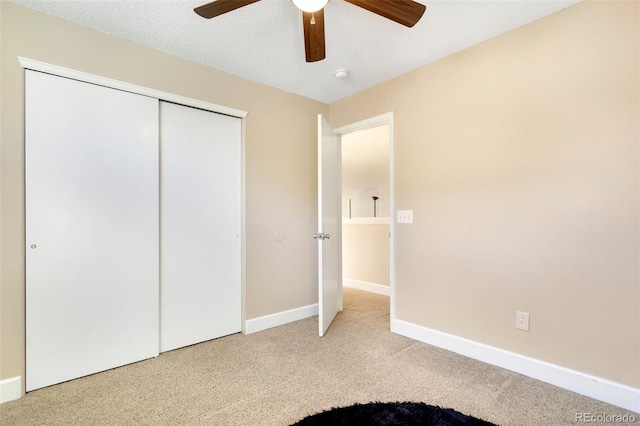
[(366, 286), (598, 388), (132, 88), (365, 221), (279, 318), (10, 389), (379, 120), (243, 227)]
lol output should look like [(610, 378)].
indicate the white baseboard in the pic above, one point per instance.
[(366, 286), (280, 318), (10, 389), (598, 388)]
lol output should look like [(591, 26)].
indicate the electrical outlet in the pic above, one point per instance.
[(522, 320)]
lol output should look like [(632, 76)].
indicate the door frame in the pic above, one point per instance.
[(379, 120)]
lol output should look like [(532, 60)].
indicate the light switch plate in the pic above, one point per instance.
[(405, 216)]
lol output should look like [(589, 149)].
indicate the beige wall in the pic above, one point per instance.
[(520, 159), (280, 160), (365, 252)]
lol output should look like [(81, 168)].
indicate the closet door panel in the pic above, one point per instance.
[(92, 244), (200, 225)]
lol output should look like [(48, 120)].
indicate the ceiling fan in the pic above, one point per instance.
[(405, 12)]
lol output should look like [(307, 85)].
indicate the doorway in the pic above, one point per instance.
[(367, 206)]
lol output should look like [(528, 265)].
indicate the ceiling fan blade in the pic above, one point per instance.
[(314, 35), (218, 7), (405, 12)]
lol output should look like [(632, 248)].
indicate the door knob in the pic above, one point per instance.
[(321, 236)]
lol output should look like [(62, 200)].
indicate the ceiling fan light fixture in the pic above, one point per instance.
[(405, 12), (310, 5)]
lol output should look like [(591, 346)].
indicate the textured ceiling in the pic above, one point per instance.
[(263, 42)]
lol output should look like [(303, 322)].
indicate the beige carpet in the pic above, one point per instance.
[(281, 375)]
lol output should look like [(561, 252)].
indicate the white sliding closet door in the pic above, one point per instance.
[(200, 225), (91, 229)]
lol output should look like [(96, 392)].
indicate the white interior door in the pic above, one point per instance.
[(91, 229), (329, 234), (200, 242)]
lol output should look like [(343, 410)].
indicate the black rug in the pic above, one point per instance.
[(392, 413)]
